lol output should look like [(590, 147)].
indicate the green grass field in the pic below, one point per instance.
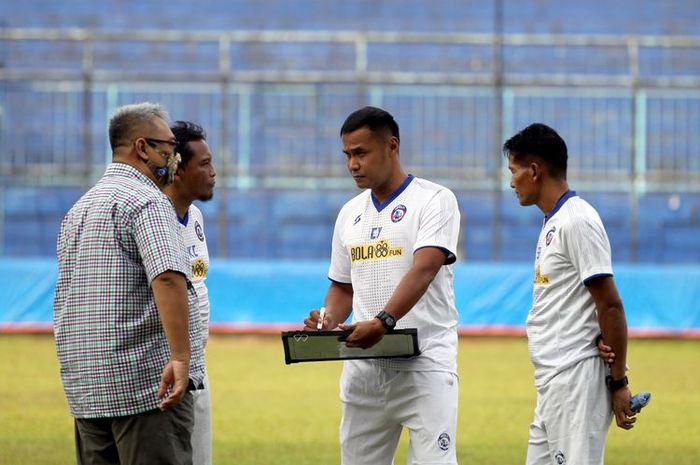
[(268, 413)]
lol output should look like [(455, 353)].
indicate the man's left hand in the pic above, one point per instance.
[(365, 334), (624, 416)]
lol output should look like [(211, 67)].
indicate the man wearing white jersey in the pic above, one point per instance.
[(194, 180), (574, 300), (392, 254)]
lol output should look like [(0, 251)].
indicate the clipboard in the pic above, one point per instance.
[(316, 346)]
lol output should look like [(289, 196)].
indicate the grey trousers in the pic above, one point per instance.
[(149, 438)]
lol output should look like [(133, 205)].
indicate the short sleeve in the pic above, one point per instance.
[(340, 267), (439, 225), (159, 239), (587, 245)]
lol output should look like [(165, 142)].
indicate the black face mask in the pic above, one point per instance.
[(166, 174)]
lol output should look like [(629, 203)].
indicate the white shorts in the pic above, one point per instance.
[(201, 433), (572, 417), (378, 403)]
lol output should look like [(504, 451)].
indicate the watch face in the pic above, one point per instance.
[(387, 320)]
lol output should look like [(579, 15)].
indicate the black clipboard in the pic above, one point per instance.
[(316, 346)]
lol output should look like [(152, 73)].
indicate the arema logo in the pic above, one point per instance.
[(378, 251), (443, 441), (550, 235), (397, 213), (559, 458), (198, 231)]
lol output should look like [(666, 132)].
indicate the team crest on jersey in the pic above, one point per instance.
[(443, 441), (378, 251), (559, 458), (398, 213), (199, 268), (550, 235), (198, 231)]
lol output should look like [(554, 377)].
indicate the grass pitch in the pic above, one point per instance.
[(268, 413)]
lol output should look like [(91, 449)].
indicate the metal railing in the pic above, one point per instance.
[(272, 102)]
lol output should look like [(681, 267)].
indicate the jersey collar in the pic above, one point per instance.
[(392, 197), (562, 200), (185, 219)]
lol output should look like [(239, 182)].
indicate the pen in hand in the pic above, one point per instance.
[(321, 317)]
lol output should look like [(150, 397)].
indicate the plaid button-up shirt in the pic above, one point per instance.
[(110, 341)]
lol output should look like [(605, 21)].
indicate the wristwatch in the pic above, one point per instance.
[(615, 384), (387, 320)]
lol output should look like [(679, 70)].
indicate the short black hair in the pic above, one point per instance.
[(540, 141), (375, 119), (185, 132)]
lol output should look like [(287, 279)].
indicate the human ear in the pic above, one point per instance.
[(179, 173), (140, 146), (394, 144)]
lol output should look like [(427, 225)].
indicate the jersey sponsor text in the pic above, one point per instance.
[(379, 251)]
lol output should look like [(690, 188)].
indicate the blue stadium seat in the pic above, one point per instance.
[(415, 15), (663, 221), (31, 237), (303, 222), (33, 218), (477, 209), (681, 243), (614, 211), (248, 223), (520, 228), (670, 206), (304, 241), (19, 200), (449, 129)]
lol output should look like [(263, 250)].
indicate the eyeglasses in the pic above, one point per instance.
[(154, 143)]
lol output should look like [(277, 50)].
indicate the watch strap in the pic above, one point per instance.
[(387, 320), (615, 384)]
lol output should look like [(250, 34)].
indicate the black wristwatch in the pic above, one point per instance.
[(615, 384), (387, 320)]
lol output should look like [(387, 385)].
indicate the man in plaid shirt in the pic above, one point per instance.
[(126, 319)]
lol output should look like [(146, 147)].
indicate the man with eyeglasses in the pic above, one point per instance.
[(126, 320)]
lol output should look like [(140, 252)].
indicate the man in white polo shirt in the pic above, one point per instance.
[(574, 300), (391, 265), (195, 180)]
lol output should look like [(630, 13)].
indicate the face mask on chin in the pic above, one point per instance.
[(166, 174)]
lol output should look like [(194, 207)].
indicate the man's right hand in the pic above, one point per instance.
[(605, 351), (311, 322), (176, 376)]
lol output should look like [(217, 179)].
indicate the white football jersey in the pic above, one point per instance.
[(192, 228), (562, 325), (373, 248)]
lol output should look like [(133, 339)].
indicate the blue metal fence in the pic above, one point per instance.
[(272, 103)]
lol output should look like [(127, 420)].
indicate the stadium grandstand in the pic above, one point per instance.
[(272, 81)]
